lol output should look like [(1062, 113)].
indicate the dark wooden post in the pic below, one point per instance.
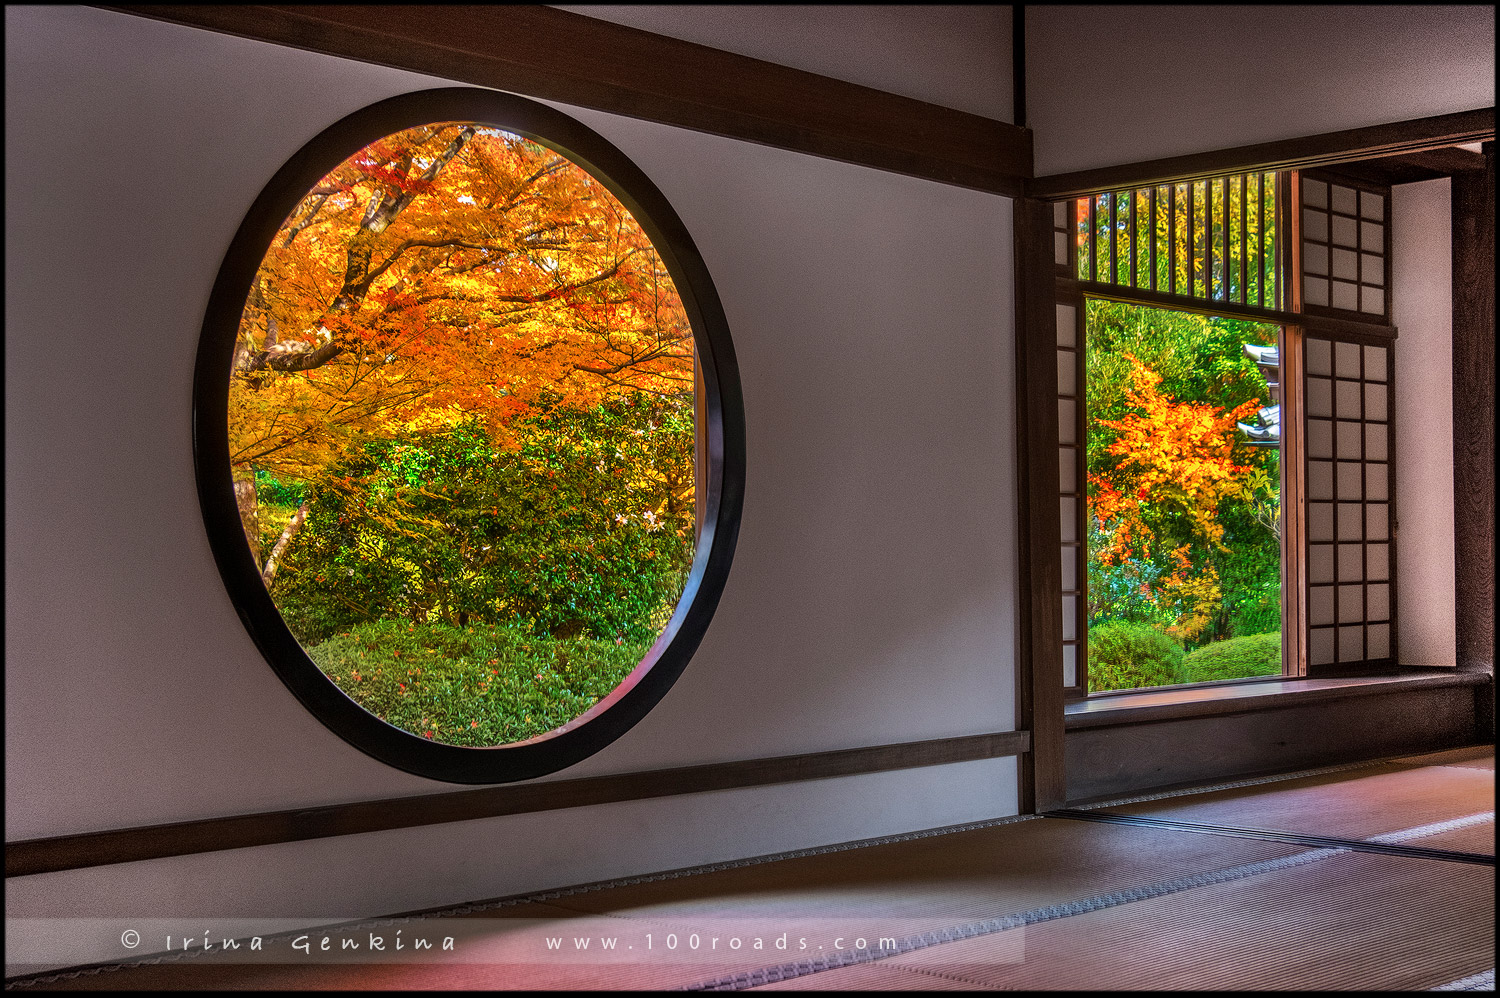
[(1474, 422), (1039, 673)]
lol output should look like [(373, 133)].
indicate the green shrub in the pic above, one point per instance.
[(1236, 658), (473, 686), (585, 527), (1126, 656)]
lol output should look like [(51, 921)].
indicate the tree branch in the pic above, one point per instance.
[(292, 357)]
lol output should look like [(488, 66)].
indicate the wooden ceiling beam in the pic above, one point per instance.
[(552, 54), (1401, 138)]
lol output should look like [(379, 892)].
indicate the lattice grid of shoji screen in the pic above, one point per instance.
[(1062, 238), (1350, 518), (1072, 503), (1345, 247)]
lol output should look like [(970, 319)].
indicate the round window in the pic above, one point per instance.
[(468, 435)]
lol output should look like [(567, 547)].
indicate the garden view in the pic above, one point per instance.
[(462, 434), (1184, 578)]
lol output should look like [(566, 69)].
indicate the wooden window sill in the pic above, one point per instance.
[(1108, 710)]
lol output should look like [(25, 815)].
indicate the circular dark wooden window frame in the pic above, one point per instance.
[(722, 435)]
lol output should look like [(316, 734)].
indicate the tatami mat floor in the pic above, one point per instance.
[(1377, 877)]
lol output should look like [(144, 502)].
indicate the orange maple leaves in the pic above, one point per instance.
[(445, 273), (1176, 462)]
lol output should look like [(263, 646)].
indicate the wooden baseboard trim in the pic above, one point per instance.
[(128, 845)]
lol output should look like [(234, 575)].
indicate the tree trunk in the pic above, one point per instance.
[(268, 573), (249, 507)]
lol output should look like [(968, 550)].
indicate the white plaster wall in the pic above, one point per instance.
[(954, 56), (1118, 84), (872, 595), (1422, 302)]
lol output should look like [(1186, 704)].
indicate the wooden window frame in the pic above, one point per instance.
[(1138, 252), (1073, 290), (1354, 326), (1400, 152), (1073, 536)]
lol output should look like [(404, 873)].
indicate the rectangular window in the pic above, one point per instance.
[(1205, 537)]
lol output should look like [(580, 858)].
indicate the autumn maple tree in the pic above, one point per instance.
[(1174, 470), (447, 275)]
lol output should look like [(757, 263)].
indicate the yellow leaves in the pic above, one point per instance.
[(1196, 599)]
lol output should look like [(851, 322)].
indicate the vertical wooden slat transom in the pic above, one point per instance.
[(1211, 240)]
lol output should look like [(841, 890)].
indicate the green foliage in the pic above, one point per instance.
[(473, 686), (1236, 658), (1126, 656), (586, 527), (1127, 591), (1251, 573), (271, 492), (461, 398), (606, 544)]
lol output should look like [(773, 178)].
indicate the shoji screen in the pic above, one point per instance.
[(1347, 391), (1072, 508), (1345, 248), (1351, 522)]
